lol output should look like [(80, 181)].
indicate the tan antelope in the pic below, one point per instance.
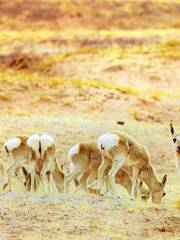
[(57, 173), (128, 154), (85, 159), (41, 155), (16, 150), (176, 146)]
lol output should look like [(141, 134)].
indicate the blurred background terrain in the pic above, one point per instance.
[(73, 69), (124, 53)]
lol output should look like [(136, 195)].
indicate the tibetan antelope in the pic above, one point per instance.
[(128, 154), (176, 145), (85, 159), (57, 173), (41, 155), (16, 150)]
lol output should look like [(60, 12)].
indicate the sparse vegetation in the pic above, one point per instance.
[(73, 69), (178, 204)]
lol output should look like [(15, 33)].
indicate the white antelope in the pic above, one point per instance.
[(41, 155), (128, 154), (176, 146), (16, 150)]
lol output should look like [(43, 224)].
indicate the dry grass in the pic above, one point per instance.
[(104, 14), (178, 204), (27, 80), (4, 96)]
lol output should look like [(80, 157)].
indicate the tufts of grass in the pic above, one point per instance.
[(137, 114), (158, 94), (29, 80), (101, 84), (146, 99), (155, 76), (51, 60), (34, 79), (178, 204), (169, 49), (68, 101), (45, 97), (25, 35), (4, 96)]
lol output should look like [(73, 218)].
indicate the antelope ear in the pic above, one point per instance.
[(164, 180), (172, 129), (25, 172)]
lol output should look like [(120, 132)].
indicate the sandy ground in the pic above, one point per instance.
[(76, 217)]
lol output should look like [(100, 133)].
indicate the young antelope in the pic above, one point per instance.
[(85, 159), (128, 154), (16, 150), (41, 155)]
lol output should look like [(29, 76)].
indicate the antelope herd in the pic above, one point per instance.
[(98, 168)]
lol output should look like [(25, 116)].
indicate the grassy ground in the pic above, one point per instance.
[(73, 69)]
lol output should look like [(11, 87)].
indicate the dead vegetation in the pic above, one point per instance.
[(73, 69), (19, 61), (88, 14)]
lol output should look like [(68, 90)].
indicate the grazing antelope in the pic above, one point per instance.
[(57, 173), (27, 180), (41, 155), (128, 154), (176, 143), (16, 150), (85, 159), (58, 176)]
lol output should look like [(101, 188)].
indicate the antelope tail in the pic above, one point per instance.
[(6, 149), (40, 148)]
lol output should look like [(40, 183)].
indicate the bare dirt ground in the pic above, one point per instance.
[(73, 69), (72, 217)]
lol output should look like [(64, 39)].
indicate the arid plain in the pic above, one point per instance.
[(73, 69)]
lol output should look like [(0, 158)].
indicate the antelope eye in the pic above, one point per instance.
[(164, 194), (174, 140)]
